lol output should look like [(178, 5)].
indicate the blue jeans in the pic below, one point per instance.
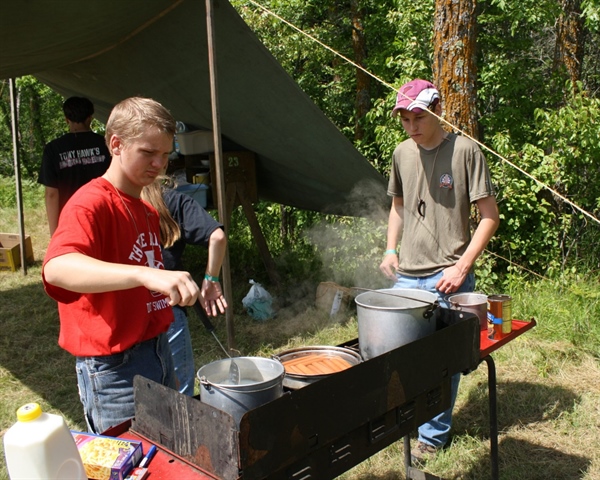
[(181, 349), (437, 430), (106, 382)]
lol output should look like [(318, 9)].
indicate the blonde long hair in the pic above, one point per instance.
[(169, 228)]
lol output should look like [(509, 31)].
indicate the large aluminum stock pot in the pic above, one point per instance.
[(390, 318)]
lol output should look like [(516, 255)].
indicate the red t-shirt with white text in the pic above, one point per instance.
[(99, 223)]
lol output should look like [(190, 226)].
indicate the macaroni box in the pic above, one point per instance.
[(107, 458)]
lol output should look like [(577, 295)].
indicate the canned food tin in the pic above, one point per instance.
[(500, 307), (494, 327)]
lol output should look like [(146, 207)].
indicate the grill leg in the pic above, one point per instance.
[(407, 459), (493, 416), (413, 473)]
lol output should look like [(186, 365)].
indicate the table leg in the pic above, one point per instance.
[(493, 416)]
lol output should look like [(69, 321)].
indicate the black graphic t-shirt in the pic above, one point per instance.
[(73, 160)]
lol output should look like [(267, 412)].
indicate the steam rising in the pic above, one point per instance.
[(351, 247)]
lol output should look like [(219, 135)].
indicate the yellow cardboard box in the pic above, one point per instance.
[(10, 251)]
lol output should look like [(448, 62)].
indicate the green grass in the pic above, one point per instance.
[(548, 379)]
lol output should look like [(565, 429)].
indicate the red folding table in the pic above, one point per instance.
[(486, 346)]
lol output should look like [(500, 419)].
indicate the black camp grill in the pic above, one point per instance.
[(322, 429)]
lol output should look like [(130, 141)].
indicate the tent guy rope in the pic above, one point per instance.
[(455, 128)]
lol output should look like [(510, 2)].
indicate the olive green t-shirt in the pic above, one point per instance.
[(445, 180)]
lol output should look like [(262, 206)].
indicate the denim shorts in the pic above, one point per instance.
[(428, 283), (106, 382)]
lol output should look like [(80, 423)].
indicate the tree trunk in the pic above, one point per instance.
[(570, 40), (37, 131), (284, 226), (363, 81), (454, 64), (5, 104)]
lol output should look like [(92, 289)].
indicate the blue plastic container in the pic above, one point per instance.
[(198, 192)]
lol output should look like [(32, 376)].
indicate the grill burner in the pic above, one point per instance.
[(322, 429)]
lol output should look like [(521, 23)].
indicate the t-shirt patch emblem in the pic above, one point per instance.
[(446, 181)]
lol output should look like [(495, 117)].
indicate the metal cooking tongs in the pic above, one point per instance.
[(234, 370)]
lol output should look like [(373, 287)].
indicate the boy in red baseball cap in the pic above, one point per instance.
[(435, 178)]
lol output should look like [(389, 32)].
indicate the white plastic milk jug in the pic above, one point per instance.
[(40, 446)]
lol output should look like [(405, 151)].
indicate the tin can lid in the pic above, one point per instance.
[(499, 298)]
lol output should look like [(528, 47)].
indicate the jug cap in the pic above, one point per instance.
[(29, 412)]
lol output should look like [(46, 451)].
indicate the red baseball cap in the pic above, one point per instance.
[(416, 96)]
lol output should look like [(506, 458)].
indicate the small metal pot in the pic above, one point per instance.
[(471, 302), (260, 381)]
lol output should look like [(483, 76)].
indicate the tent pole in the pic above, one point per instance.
[(15, 138), (220, 176)]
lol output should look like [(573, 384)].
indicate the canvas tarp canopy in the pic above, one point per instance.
[(109, 50)]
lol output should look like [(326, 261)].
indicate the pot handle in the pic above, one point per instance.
[(208, 385), (205, 383), (428, 313), (203, 317), (453, 304)]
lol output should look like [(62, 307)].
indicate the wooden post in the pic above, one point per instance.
[(220, 184), (15, 135), (226, 196)]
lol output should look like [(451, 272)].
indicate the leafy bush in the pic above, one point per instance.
[(41, 119), (33, 193), (539, 229)]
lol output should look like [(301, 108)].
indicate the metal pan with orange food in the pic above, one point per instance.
[(306, 365)]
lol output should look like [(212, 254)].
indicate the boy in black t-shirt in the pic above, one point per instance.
[(73, 159)]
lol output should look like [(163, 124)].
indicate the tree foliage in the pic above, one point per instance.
[(533, 112), (524, 102), (40, 120), (540, 228)]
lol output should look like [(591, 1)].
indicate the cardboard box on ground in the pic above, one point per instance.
[(10, 251), (332, 298)]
